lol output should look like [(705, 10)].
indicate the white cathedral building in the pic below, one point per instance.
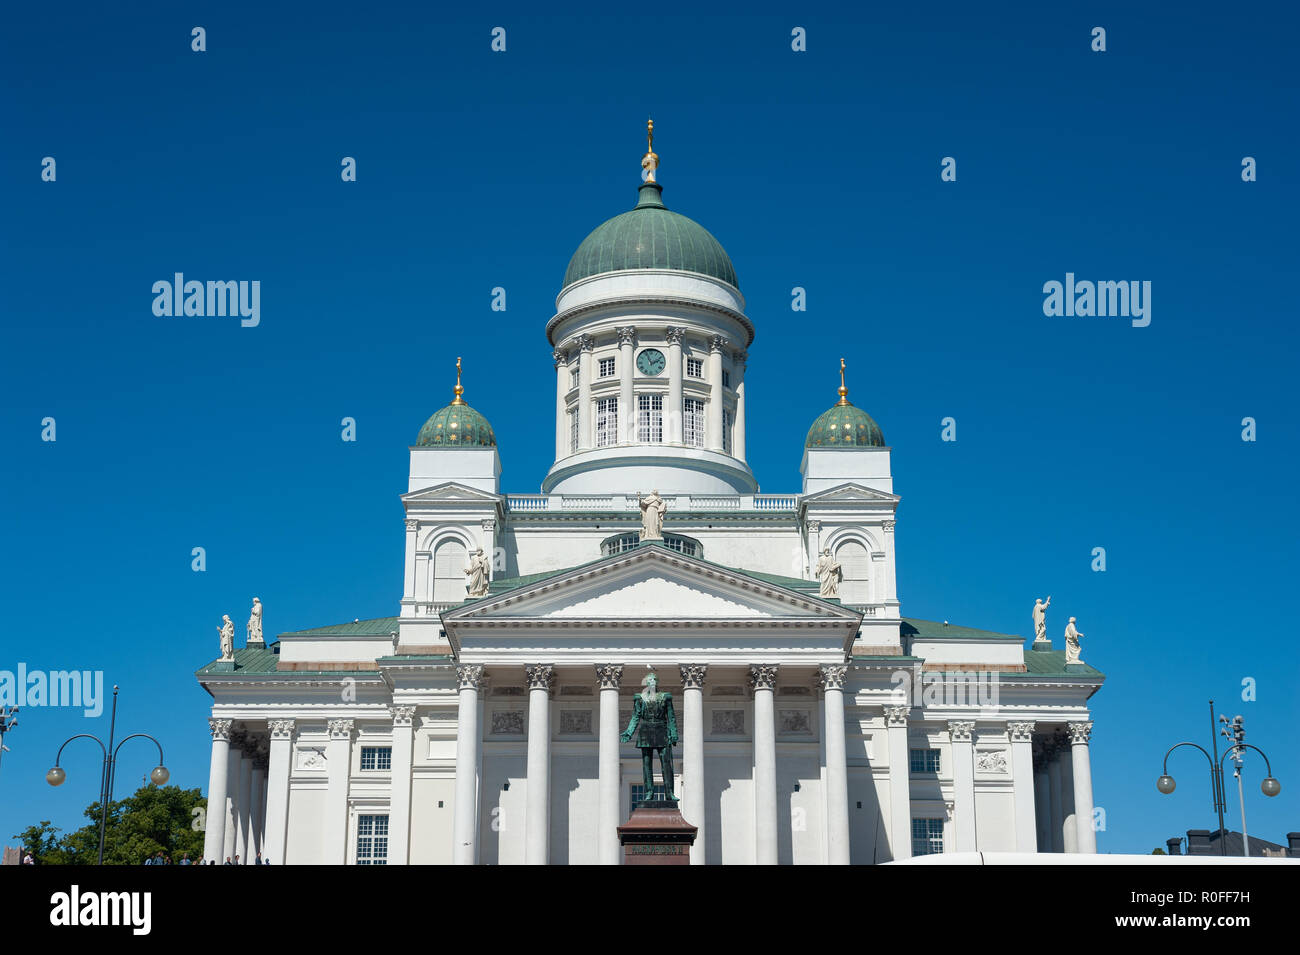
[(485, 728)]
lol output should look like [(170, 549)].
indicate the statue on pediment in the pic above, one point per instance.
[(1072, 637), (255, 625), (829, 573), (227, 631), (653, 509), (1040, 619), (477, 571)]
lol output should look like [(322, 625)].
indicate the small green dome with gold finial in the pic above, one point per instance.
[(457, 425), (844, 426)]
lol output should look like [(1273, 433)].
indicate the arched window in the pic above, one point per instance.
[(855, 566), (683, 545), (449, 562)]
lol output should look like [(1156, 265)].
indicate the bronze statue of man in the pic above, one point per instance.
[(655, 726)]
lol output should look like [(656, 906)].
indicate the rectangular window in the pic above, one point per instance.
[(650, 419), (927, 837), (605, 368), (694, 368), (693, 422), (606, 422), (923, 761), (376, 757), (573, 431), (638, 793), (726, 378), (573, 378), (726, 431), (372, 840)]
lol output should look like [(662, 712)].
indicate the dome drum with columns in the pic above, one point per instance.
[(480, 723)]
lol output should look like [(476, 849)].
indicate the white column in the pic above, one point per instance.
[(900, 783), (338, 761), (762, 679), (738, 438), (1021, 734), (891, 584), (713, 437), (561, 406), (1081, 764), (399, 800), (585, 345), (537, 812), (609, 677), (478, 771), (673, 411), (277, 792), (626, 371), (693, 805), (255, 839), (408, 567), (1069, 825), (1042, 800), (837, 767), (244, 808), (963, 782), (214, 834), (469, 743), (234, 765), (1056, 805)]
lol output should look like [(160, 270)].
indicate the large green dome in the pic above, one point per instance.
[(845, 426), (650, 237)]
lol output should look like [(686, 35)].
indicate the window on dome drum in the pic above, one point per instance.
[(449, 560), (376, 757), (683, 545), (606, 422), (605, 369), (927, 837), (693, 422), (372, 840), (726, 378), (573, 431), (573, 378), (726, 431), (855, 565), (923, 761), (694, 368), (650, 419)]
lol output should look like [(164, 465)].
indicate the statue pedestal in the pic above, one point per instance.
[(656, 835)]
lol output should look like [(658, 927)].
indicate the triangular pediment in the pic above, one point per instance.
[(450, 492), (651, 583), (851, 494)]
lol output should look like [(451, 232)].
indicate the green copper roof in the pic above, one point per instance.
[(650, 237), (845, 426), (456, 426)]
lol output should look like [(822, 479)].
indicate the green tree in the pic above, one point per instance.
[(42, 841), (152, 819)]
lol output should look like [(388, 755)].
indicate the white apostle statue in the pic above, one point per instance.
[(653, 510), (1040, 619), (477, 572), (255, 625), (227, 631), (829, 573), (1072, 637)]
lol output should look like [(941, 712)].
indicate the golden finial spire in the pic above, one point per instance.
[(650, 161), (844, 392), (458, 400)]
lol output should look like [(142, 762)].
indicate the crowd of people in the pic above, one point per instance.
[(162, 858)]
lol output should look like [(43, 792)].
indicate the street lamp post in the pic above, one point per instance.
[(1270, 786), (56, 776), (8, 720)]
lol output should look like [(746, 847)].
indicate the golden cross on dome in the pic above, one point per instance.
[(844, 392), (650, 161), (459, 390)]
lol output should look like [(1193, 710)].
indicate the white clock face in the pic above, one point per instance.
[(651, 362)]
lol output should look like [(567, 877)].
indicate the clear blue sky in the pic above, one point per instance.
[(817, 169)]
